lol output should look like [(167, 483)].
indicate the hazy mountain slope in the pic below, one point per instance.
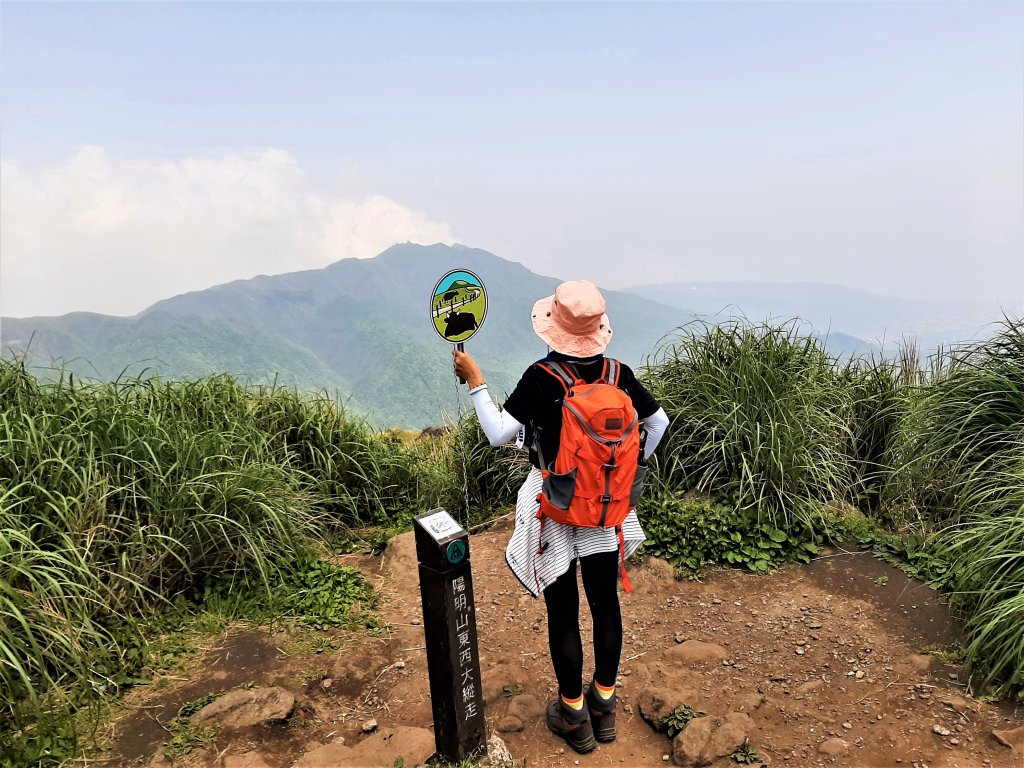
[(361, 329), (367, 320), (396, 286), (826, 308), (357, 326), (104, 347)]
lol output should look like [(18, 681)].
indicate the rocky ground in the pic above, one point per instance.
[(817, 665)]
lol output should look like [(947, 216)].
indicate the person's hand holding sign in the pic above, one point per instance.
[(467, 369)]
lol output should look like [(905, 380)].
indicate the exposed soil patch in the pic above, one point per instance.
[(824, 659), (856, 573), (237, 659)]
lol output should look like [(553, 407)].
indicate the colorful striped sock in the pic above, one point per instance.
[(576, 704), (604, 693)]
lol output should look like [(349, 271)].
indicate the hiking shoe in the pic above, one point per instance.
[(602, 715), (574, 727)]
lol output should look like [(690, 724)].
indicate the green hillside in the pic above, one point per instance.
[(100, 347), (357, 328)]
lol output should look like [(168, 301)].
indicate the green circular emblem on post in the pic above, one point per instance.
[(458, 305), (456, 552)]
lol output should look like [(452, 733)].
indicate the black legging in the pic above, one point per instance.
[(600, 582)]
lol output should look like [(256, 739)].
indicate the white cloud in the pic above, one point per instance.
[(112, 234)]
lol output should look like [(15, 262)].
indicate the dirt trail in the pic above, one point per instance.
[(820, 654)]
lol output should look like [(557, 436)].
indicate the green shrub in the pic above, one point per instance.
[(309, 591), (989, 545), (757, 417), (698, 534), (881, 391), (965, 469), (745, 754), (921, 555)]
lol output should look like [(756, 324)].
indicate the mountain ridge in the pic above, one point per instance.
[(358, 328)]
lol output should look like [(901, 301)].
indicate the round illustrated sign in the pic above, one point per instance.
[(455, 552), (458, 305)]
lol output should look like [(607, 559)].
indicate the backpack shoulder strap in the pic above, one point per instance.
[(560, 372), (611, 371)]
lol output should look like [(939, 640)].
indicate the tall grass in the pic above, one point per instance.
[(883, 393), (115, 497), (966, 421), (990, 543), (356, 476), (967, 470), (492, 477), (757, 417)]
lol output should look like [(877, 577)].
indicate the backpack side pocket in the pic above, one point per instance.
[(560, 489), (638, 485)]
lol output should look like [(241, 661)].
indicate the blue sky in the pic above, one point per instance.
[(152, 148)]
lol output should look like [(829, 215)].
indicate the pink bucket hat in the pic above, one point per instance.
[(572, 321)]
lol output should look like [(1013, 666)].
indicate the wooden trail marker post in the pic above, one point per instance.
[(449, 626)]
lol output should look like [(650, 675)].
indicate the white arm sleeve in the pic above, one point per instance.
[(499, 426), (654, 426)]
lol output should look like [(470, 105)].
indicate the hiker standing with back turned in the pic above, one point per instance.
[(581, 415)]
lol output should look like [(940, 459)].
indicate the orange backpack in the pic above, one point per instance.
[(596, 478)]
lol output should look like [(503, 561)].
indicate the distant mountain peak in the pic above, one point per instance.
[(360, 327)]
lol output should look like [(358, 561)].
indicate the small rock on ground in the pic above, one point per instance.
[(510, 724), (706, 739), (380, 750), (326, 756), (750, 702), (1014, 739), (697, 652), (957, 703), (656, 704), (247, 760), (498, 755), (833, 747), (920, 661), (246, 707), (415, 745), (526, 708), (809, 687)]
